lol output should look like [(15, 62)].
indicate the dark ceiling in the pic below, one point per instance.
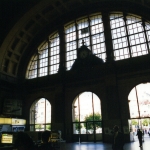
[(10, 12)]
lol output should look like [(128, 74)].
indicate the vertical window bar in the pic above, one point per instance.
[(89, 22), (38, 63), (137, 102), (93, 106), (125, 19), (79, 113), (143, 24), (79, 107), (77, 37), (49, 56), (45, 115)]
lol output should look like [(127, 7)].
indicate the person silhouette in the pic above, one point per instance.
[(24, 142), (46, 145), (118, 139), (139, 134)]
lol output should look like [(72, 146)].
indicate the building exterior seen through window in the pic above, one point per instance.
[(40, 115), (86, 114), (139, 101), (139, 105)]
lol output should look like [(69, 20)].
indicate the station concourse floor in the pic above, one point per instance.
[(105, 146)]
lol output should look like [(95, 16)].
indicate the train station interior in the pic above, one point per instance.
[(75, 68)]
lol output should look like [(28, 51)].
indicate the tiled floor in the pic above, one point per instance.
[(103, 146)]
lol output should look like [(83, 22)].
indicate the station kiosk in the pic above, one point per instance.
[(8, 130)]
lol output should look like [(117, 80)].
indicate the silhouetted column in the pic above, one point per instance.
[(108, 38), (62, 66)]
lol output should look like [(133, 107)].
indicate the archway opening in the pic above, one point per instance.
[(40, 115), (87, 118), (139, 106)]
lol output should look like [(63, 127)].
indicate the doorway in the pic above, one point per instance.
[(87, 119)]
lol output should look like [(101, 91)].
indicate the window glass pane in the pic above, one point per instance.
[(143, 91), (147, 28), (86, 114), (85, 101), (119, 36), (98, 127), (136, 36), (32, 68), (54, 57), (96, 106), (76, 111), (48, 112), (40, 115), (127, 31), (71, 45), (139, 50), (139, 101), (133, 105), (76, 128), (46, 60), (116, 20)]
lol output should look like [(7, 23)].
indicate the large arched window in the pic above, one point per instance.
[(40, 115), (139, 101), (46, 60), (139, 105), (130, 36), (90, 28), (86, 114)]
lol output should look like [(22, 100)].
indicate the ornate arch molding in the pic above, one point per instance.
[(42, 19)]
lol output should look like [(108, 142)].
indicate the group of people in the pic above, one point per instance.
[(118, 138), (25, 142)]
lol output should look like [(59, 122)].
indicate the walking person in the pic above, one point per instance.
[(139, 134), (118, 139)]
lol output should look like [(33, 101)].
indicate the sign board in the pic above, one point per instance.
[(12, 107)]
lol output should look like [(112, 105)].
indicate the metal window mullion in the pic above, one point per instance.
[(92, 106), (62, 49), (90, 35), (79, 107), (77, 35), (124, 18), (137, 102), (45, 115), (48, 56), (143, 24), (79, 111), (38, 63)]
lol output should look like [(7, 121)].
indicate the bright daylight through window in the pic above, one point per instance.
[(130, 38), (40, 115), (86, 114)]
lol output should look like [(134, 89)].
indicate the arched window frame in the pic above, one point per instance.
[(127, 36), (78, 110), (139, 101), (47, 59), (40, 115)]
